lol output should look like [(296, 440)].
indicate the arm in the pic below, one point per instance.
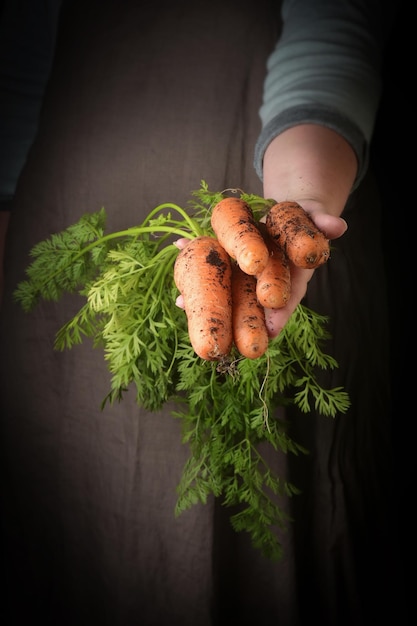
[(4, 222), (316, 167), (27, 38), (321, 97)]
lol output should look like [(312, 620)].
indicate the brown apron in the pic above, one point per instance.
[(145, 100)]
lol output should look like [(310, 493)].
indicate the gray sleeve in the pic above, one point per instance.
[(27, 41), (325, 69)]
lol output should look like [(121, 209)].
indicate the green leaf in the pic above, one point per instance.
[(228, 411)]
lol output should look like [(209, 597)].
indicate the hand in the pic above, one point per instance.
[(314, 166), (333, 227)]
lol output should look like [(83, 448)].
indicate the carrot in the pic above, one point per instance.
[(235, 227), (273, 285), (202, 274), (248, 317), (292, 227)]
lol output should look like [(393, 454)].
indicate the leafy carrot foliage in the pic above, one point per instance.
[(228, 411)]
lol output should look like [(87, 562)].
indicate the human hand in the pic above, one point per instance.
[(333, 227), (315, 167)]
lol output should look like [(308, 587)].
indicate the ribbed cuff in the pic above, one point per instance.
[(314, 115)]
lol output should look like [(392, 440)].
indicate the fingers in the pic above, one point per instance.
[(332, 226), (181, 243), (180, 302), (277, 318)]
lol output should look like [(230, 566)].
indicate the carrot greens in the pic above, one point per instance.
[(228, 410)]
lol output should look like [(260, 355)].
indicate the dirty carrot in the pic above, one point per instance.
[(202, 274), (248, 317), (292, 228), (235, 227), (273, 285)]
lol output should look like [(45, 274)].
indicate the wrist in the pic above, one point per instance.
[(312, 165)]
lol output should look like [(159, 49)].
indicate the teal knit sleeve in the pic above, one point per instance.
[(27, 38), (325, 69)]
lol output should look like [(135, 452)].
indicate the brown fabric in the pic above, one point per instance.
[(145, 100)]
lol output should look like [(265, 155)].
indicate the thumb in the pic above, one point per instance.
[(331, 225)]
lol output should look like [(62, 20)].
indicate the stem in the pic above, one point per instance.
[(162, 270), (130, 232), (193, 224), (134, 231)]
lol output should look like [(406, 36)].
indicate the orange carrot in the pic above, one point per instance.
[(292, 227), (273, 285), (202, 274), (249, 330), (235, 227)]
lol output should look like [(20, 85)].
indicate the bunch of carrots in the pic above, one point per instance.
[(226, 281)]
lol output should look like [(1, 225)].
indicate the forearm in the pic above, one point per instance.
[(4, 223), (324, 72), (311, 164), (27, 40), (316, 167)]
